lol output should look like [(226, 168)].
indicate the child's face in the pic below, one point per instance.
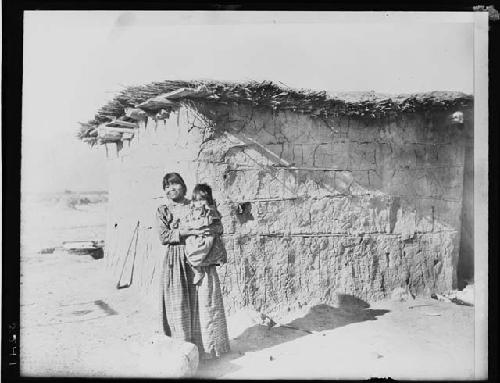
[(199, 201)]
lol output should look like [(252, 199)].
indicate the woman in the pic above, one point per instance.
[(194, 313)]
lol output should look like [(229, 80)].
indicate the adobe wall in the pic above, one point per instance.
[(135, 192), (311, 207)]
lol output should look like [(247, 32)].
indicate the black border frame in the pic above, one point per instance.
[(12, 64)]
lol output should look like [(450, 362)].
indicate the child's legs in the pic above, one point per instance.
[(198, 274)]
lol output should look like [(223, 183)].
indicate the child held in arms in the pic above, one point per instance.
[(202, 214)]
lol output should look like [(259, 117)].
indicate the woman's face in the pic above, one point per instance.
[(174, 191)]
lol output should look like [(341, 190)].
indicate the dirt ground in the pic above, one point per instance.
[(417, 339), (74, 322)]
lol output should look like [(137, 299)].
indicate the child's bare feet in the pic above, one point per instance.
[(197, 278)]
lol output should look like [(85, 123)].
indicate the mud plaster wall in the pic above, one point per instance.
[(311, 208)]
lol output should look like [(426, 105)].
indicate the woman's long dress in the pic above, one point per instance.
[(193, 313)]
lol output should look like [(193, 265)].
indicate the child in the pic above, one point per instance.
[(202, 214)]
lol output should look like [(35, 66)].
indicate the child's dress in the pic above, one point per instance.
[(217, 254), (199, 246)]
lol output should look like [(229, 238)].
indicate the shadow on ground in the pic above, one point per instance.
[(321, 317)]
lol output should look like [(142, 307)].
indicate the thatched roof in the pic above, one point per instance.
[(162, 95)]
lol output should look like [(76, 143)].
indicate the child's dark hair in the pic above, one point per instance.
[(204, 191)]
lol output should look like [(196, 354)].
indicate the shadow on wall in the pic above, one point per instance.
[(321, 317)]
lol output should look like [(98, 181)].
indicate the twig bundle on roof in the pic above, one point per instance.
[(269, 94)]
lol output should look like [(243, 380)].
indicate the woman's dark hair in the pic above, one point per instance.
[(174, 178), (204, 191)]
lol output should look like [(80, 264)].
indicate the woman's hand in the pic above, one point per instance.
[(207, 230), (187, 232)]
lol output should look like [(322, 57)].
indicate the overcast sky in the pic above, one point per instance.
[(75, 61)]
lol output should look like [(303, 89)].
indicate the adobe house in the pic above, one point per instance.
[(321, 194)]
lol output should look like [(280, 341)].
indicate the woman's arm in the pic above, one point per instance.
[(166, 233)]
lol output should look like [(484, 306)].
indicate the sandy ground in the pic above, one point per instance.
[(418, 339), (74, 322)]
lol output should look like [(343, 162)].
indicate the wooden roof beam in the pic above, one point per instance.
[(124, 124), (136, 114), (157, 102), (180, 93), (113, 129)]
